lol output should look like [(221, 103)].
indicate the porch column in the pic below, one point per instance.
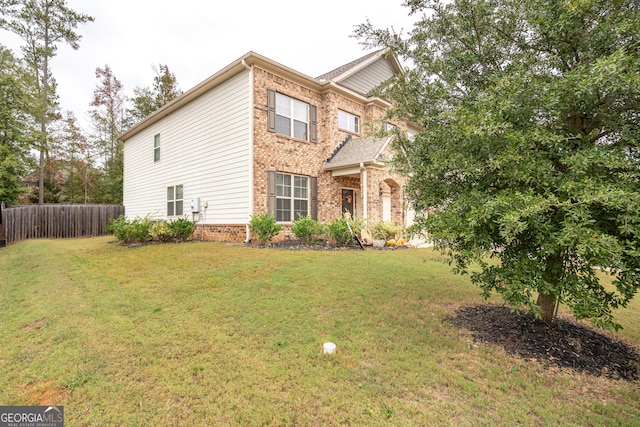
[(364, 190)]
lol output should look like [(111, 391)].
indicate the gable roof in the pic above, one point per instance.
[(354, 151)]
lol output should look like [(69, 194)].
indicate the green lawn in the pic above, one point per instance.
[(210, 334)]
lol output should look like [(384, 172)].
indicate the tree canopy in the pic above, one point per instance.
[(42, 24), (529, 161), (164, 90), (16, 125)]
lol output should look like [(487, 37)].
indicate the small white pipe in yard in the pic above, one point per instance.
[(248, 239)]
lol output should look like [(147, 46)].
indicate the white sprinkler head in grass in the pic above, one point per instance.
[(329, 348)]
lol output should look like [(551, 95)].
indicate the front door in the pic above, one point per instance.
[(347, 201)]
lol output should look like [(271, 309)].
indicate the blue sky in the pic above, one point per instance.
[(196, 38)]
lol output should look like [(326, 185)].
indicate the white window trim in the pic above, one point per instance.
[(292, 198), (174, 200), (156, 148), (292, 119), (353, 121)]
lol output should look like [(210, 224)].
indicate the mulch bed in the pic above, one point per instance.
[(324, 245), (565, 344)]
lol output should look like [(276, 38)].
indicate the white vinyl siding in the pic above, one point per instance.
[(206, 146)]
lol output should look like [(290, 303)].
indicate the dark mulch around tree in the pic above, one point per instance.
[(566, 344)]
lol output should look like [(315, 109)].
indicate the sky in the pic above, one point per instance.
[(196, 38)]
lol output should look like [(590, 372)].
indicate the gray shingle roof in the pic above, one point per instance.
[(346, 67), (356, 151)]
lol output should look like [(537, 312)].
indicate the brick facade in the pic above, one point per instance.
[(289, 155)]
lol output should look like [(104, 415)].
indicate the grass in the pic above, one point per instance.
[(210, 334)]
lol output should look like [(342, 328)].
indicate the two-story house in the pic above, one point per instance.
[(259, 137)]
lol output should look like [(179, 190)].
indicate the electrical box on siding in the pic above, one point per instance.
[(195, 204)]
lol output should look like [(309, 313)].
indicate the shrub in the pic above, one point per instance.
[(338, 229), (264, 226), (387, 230), (160, 231), (307, 229), (182, 228), (128, 231)]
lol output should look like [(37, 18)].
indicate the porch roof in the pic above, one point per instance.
[(358, 150)]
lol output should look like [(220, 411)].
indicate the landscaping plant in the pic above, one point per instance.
[(130, 231), (307, 229), (160, 231), (264, 226), (181, 228)]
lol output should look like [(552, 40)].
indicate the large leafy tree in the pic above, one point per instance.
[(529, 160), (43, 25), (16, 126), (164, 90)]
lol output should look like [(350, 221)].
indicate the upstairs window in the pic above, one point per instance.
[(290, 117), (348, 121), (156, 148), (174, 200)]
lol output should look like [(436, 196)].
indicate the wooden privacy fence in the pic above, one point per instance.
[(56, 221)]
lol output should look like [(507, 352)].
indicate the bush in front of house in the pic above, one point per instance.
[(130, 231), (387, 230), (264, 226), (160, 231), (307, 229), (181, 228), (140, 230), (342, 229)]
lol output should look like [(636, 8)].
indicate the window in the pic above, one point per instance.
[(292, 197), (289, 117), (348, 121), (174, 200), (292, 117), (388, 127), (156, 148)]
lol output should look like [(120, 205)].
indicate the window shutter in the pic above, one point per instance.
[(271, 192), (314, 197), (313, 123), (271, 114)]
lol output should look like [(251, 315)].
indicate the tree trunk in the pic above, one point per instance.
[(548, 305), (553, 274)]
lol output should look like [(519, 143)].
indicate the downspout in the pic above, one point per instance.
[(251, 141), (365, 191)]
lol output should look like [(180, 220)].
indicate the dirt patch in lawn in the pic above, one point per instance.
[(566, 343)]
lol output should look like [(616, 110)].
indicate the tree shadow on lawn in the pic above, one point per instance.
[(566, 343)]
